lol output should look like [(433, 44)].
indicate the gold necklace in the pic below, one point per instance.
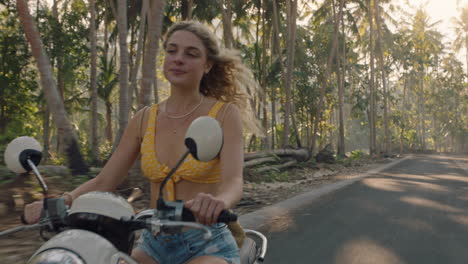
[(184, 115)]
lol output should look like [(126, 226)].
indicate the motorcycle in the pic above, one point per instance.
[(100, 227)]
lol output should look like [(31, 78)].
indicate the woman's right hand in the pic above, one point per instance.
[(32, 212)]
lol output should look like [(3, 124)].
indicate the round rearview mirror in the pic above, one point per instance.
[(19, 150), (204, 138)]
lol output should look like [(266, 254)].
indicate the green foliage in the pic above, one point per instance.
[(57, 159), (79, 179), (105, 150), (5, 175), (276, 176), (356, 155), (412, 53), (17, 82)]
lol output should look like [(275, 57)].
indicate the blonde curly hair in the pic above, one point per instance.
[(229, 80)]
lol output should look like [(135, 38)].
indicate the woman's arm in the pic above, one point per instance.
[(207, 207), (232, 158), (116, 169)]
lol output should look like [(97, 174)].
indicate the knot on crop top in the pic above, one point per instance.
[(190, 170)]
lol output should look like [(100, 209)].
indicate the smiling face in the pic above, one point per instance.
[(186, 61)]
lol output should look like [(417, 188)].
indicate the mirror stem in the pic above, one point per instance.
[(169, 175), (38, 176)]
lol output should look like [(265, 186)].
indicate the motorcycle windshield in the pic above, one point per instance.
[(56, 256)]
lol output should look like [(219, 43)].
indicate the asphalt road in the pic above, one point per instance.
[(414, 212)]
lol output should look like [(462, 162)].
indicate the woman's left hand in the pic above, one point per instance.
[(206, 208)]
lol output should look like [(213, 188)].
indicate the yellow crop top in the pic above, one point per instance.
[(190, 170)]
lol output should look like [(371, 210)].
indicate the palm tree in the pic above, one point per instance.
[(341, 80), (136, 65), (381, 62), (124, 99), (326, 76), (372, 93), (427, 46), (93, 79), (155, 20), (107, 81), (186, 9), (461, 31), (54, 101), (226, 11)]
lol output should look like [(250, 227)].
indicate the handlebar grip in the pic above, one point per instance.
[(133, 224), (224, 217)]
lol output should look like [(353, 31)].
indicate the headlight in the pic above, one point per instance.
[(56, 256)]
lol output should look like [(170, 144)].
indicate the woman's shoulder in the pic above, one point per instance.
[(225, 110)]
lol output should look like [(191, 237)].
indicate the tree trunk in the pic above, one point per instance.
[(46, 131), (277, 45), (106, 36), (277, 167), (59, 65), (251, 146), (266, 139), (405, 81), (273, 118), (93, 80), (291, 15), (124, 101), (187, 7), (141, 34), (259, 161), (226, 12), (466, 51), (56, 106), (294, 124), (299, 154), (372, 111), (342, 72), (155, 19), (423, 112), (384, 78), (109, 122), (324, 84)]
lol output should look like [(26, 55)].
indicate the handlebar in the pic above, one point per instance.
[(155, 225), (21, 228), (187, 216), (55, 219), (224, 217), (147, 220)]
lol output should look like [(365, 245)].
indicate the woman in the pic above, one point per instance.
[(204, 80)]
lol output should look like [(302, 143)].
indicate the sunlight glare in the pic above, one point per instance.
[(430, 204), (364, 250)]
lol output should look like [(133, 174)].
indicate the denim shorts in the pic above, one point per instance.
[(184, 246)]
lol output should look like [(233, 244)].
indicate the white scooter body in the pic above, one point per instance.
[(93, 248), (90, 247)]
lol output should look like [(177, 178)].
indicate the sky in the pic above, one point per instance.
[(442, 10)]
